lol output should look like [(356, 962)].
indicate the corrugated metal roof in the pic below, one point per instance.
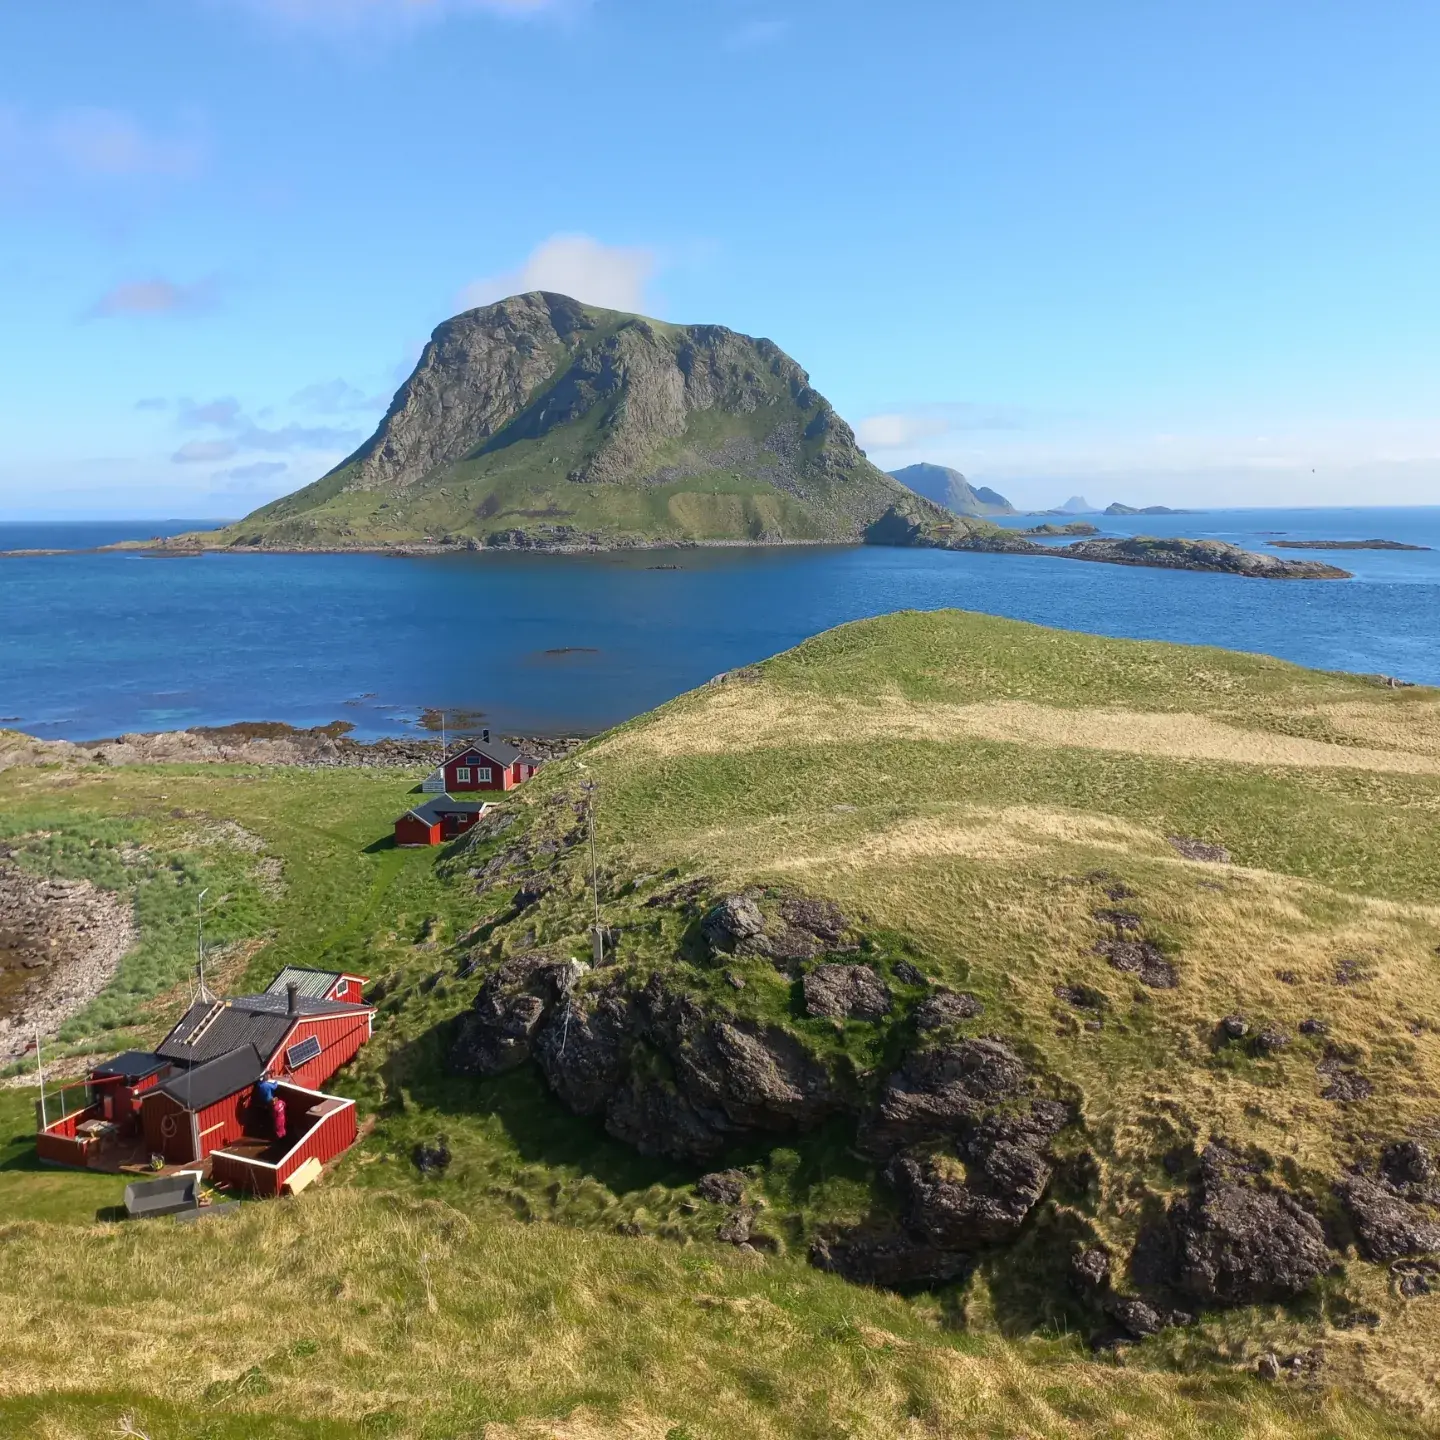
[(314, 983), (205, 1084), (229, 1029), (269, 1004)]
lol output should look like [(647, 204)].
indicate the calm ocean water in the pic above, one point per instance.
[(95, 645)]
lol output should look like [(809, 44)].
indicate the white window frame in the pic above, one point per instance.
[(482, 774), (462, 774)]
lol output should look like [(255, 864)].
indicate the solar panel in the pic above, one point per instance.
[(307, 1049)]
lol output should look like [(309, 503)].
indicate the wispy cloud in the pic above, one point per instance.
[(243, 476), (89, 146), (757, 33), (155, 297), (614, 276), (902, 429), (111, 142), (204, 452), (241, 434), (351, 15), (337, 397)]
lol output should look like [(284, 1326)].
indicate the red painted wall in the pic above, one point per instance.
[(410, 831), (168, 1131), (500, 775), (341, 1036), (329, 1136)]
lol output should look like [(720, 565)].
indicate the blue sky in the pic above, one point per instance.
[(1150, 252)]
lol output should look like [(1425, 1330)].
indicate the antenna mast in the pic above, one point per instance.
[(200, 944), (40, 1071)]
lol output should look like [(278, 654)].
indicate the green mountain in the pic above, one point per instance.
[(951, 489), (539, 421)]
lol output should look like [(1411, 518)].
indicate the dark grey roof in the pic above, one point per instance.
[(132, 1065), (314, 983), (433, 811), (500, 751), (231, 1027), (205, 1084)]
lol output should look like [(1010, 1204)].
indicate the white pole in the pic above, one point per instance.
[(200, 940), (40, 1071)]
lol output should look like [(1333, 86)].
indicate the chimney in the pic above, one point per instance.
[(292, 998), (484, 737)]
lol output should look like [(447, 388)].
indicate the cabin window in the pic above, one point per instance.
[(482, 774), (462, 775)]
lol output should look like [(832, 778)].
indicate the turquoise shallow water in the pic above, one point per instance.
[(94, 645)]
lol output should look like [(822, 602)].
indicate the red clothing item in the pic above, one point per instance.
[(277, 1108)]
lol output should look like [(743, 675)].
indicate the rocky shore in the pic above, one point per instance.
[(61, 941), (254, 743)]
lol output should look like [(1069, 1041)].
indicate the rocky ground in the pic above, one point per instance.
[(60, 942), (258, 743)]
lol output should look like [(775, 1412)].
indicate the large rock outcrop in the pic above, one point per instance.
[(604, 428)]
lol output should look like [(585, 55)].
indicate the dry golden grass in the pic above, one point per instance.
[(756, 717), (413, 1319)]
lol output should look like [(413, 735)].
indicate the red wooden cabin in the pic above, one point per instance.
[(201, 1089), (487, 765), (437, 820)]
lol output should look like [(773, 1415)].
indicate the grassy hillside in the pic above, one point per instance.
[(971, 792)]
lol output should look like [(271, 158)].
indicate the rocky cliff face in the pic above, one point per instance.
[(608, 427)]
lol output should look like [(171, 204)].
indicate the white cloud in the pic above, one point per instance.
[(154, 297), (896, 431), (614, 276), (245, 476), (900, 429)]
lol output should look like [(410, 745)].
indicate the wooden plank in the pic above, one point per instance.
[(307, 1174)]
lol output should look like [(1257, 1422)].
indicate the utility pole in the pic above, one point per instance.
[(200, 943), (597, 932), (40, 1071)]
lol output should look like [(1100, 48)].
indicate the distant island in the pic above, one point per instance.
[(539, 423), (1116, 508), (951, 489), (1075, 505), (1074, 527), (1344, 545)]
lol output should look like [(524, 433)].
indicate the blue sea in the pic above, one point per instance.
[(94, 645)]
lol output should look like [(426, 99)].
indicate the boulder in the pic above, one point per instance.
[(496, 1034), (1090, 1269), (945, 1007), (1406, 1162), (1387, 1226), (733, 921), (759, 1077), (1238, 1245), (890, 1260), (722, 1187), (583, 1048), (984, 1199), (941, 1091), (846, 992)]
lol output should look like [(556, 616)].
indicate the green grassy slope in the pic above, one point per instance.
[(952, 779)]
